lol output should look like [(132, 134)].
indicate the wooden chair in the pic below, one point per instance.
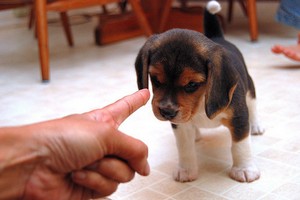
[(249, 8), (11, 4), (248, 5), (182, 16), (64, 20), (42, 7)]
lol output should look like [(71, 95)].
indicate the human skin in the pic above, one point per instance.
[(292, 52), (80, 156)]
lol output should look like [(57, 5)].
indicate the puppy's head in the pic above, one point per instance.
[(185, 67)]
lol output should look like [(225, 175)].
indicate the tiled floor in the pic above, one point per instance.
[(87, 76)]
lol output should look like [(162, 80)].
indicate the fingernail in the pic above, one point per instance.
[(79, 175), (147, 170)]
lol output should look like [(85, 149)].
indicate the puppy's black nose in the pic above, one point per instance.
[(168, 113)]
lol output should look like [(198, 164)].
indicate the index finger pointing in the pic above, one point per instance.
[(124, 107)]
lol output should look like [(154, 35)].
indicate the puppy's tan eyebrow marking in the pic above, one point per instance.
[(190, 75), (157, 71)]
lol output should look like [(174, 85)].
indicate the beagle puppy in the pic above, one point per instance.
[(201, 81)]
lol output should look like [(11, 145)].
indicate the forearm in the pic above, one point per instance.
[(18, 157)]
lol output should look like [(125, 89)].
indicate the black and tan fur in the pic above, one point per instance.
[(201, 80)]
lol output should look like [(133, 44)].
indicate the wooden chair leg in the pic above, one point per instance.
[(165, 15), (183, 4), (65, 22), (243, 6), (42, 32), (143, 21), (31, 17), (104, 9), (230, 11), (66, 25), (31, 21), (252, 18), (123, 5)]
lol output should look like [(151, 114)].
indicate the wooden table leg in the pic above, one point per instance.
[(252, 15), (42, 33)]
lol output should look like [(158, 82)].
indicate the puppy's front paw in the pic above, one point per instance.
[(257, 129), (185, 175), (245, 174)]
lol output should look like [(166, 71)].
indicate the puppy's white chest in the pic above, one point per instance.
[(201, 120)]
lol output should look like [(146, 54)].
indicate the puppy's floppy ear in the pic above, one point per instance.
[(142, 62), (221, 83)]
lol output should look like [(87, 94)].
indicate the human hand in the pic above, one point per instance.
[(85, 156)]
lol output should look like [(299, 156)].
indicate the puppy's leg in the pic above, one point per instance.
[(243, 169), (198, 135), (255, 126), (187, 169)]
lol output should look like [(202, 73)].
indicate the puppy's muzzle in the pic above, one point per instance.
[(168, 113)]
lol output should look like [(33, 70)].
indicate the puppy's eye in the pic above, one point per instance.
[(155, 81), (191, 87)]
